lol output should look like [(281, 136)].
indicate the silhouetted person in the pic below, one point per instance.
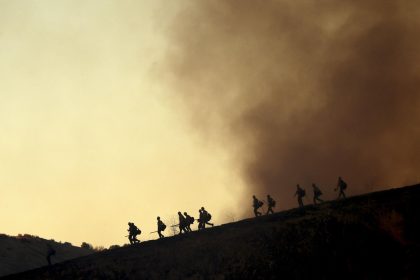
[(271, 203), (133, 231), (160, 227), (182, 223), (206, 217), (341, 186), (256, 204), (50, 253), (188, 221), (300, 193), (317, 194), (201, 220)]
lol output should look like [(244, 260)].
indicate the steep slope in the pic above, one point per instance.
[(28, 252), (374, 236)]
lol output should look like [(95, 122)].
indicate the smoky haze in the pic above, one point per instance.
[(303, 91)]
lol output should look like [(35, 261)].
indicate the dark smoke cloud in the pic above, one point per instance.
[(304, 91)]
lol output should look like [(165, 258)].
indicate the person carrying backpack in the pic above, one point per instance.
[(188, 221), (271, 203), (317, 194), (256, 204), (300, 193), (206, 217), (182, 223), (133, 231), (341, 186), (161, 227)]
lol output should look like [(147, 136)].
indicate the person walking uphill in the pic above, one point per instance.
[(133, 231), (317, 194), (188, 221), (50, 253), (271, 203), (256, 204), (341, 186), (300, 193), (201, 220), (207, 217), (160, 227), (182, 223)]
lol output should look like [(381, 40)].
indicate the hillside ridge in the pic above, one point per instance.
[(371, 235), (25, 252)]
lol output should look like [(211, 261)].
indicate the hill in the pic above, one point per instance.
[(25, 252), (373, 236)]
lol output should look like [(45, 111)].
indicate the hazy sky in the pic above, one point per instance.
[(118, 111), (89, 139)]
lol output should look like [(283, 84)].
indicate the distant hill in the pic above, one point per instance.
[(25, 252), (373, 236)]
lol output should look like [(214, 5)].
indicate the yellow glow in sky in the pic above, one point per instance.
[(90, 139)]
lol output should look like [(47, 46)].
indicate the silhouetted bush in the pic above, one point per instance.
[(86, 245), (99, 248)]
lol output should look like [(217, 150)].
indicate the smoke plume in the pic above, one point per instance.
[(304, 91)]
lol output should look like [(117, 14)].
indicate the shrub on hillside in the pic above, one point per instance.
[(86, 245), (99, 248)]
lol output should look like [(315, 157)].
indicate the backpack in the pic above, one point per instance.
[(260, 203), (208, 218), (302, 192), (343, 185), (138, 231), (162, 226), (191, 220)]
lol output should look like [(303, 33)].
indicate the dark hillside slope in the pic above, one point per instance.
[(26, 252), (374, 236)]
